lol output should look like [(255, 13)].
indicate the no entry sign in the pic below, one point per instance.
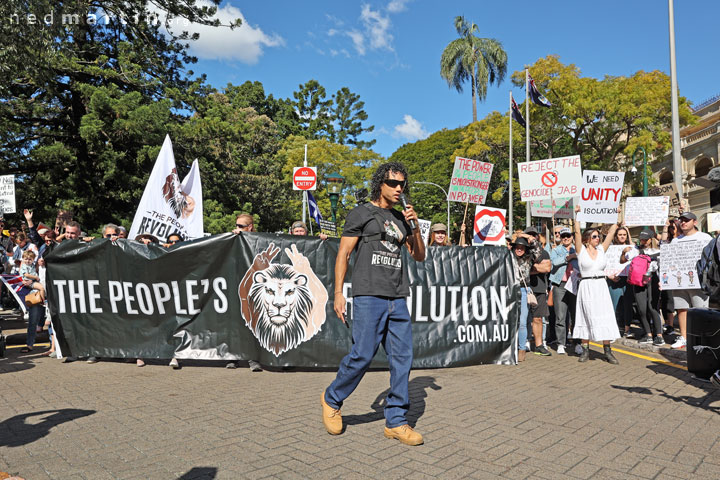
[(551, 178), (304, 178)]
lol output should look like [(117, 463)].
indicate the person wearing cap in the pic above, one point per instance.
[(523, 252), (564, 261), (299, 228), (690, 297), (539, 286), (594, 316), (647, 296), (438, 236)]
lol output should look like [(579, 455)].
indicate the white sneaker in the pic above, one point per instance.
[(578, 349), (527, 346), (561, 349), (679, 342), (174, 364)]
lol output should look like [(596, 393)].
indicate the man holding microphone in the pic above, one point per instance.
[(379, 288)]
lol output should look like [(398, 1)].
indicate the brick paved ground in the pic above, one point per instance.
[(546, 418)]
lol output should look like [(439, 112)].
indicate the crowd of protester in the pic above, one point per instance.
[(567, 300), (589, 304)]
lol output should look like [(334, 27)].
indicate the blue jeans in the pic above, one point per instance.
[(378, 320), (523, 320), (37, 315), (622, 299)]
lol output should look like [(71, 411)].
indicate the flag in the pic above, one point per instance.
[(535, 95), (14, 284), (313, 207), (167, 205), (516, 115)]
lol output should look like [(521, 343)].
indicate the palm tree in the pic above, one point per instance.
[(482, 60)]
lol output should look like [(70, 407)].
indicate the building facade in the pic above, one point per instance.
[(700, 151)]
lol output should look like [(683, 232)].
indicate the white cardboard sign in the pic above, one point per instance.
[(425, 230), (554, 177), (489, 226), (678, 264), (600, 196), (646, 211), (470, 181), (613, 265), (7, 193), (544, 208), (669, 190)]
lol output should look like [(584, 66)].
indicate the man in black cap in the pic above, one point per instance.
[(691, 297), (539, 286)]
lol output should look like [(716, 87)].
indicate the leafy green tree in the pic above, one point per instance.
[(82, 97), (603, 121), (236, 149), (314, 111), (280, 111), (348, 115), (480, 60), (355, 164)]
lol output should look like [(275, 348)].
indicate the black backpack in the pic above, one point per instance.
[(708, 268)]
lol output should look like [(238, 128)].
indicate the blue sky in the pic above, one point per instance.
[(389, 51)]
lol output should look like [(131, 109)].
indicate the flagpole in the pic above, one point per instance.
[(527, 142), (510, 179), (304, 201)]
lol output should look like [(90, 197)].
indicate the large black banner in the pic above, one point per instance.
[(268, 297)]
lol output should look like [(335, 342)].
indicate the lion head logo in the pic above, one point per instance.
[(181, 204), (283, 305)]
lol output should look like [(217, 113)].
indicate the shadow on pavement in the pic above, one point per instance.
[(712, 394), (418, 394), (200, 473), (16, 431), (14, 361)]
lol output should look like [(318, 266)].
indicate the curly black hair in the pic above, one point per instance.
[(382, 173)]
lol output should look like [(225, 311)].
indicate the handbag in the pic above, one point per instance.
[(33, 298), (531, 298)]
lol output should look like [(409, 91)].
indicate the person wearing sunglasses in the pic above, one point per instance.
[(564, 261), (378, 233), (111, 232), (244, 223), (691, 297), (594, 315)]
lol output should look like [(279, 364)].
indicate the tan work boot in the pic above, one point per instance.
[(405, 434), (332, 419)]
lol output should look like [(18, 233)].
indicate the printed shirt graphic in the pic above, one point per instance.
[(378, 269)]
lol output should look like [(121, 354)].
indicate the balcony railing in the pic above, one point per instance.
[(697, 136)]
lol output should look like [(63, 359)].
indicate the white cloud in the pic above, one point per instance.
[(410, 129), (396, 6), (245, 43), (358, 41), (376, 28)]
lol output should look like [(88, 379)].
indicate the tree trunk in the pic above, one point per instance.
[(472, 77)]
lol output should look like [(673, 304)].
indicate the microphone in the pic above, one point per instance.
[(403, 202)]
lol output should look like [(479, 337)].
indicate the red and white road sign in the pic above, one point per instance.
[(304, 178)]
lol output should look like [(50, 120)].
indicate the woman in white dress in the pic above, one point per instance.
[(594, 313)]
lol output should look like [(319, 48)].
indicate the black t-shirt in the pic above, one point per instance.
[(378, 269), (538, 281)]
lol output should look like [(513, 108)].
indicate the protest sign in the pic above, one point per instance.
[(425, 230), (168, 206), (600, 196), (668, 190), (713, 221), (7, 194), (328, 228), (678, 264), (646, 211), (544, 208), (554, 177), (613, 265), (489, 226), (470, 181)]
